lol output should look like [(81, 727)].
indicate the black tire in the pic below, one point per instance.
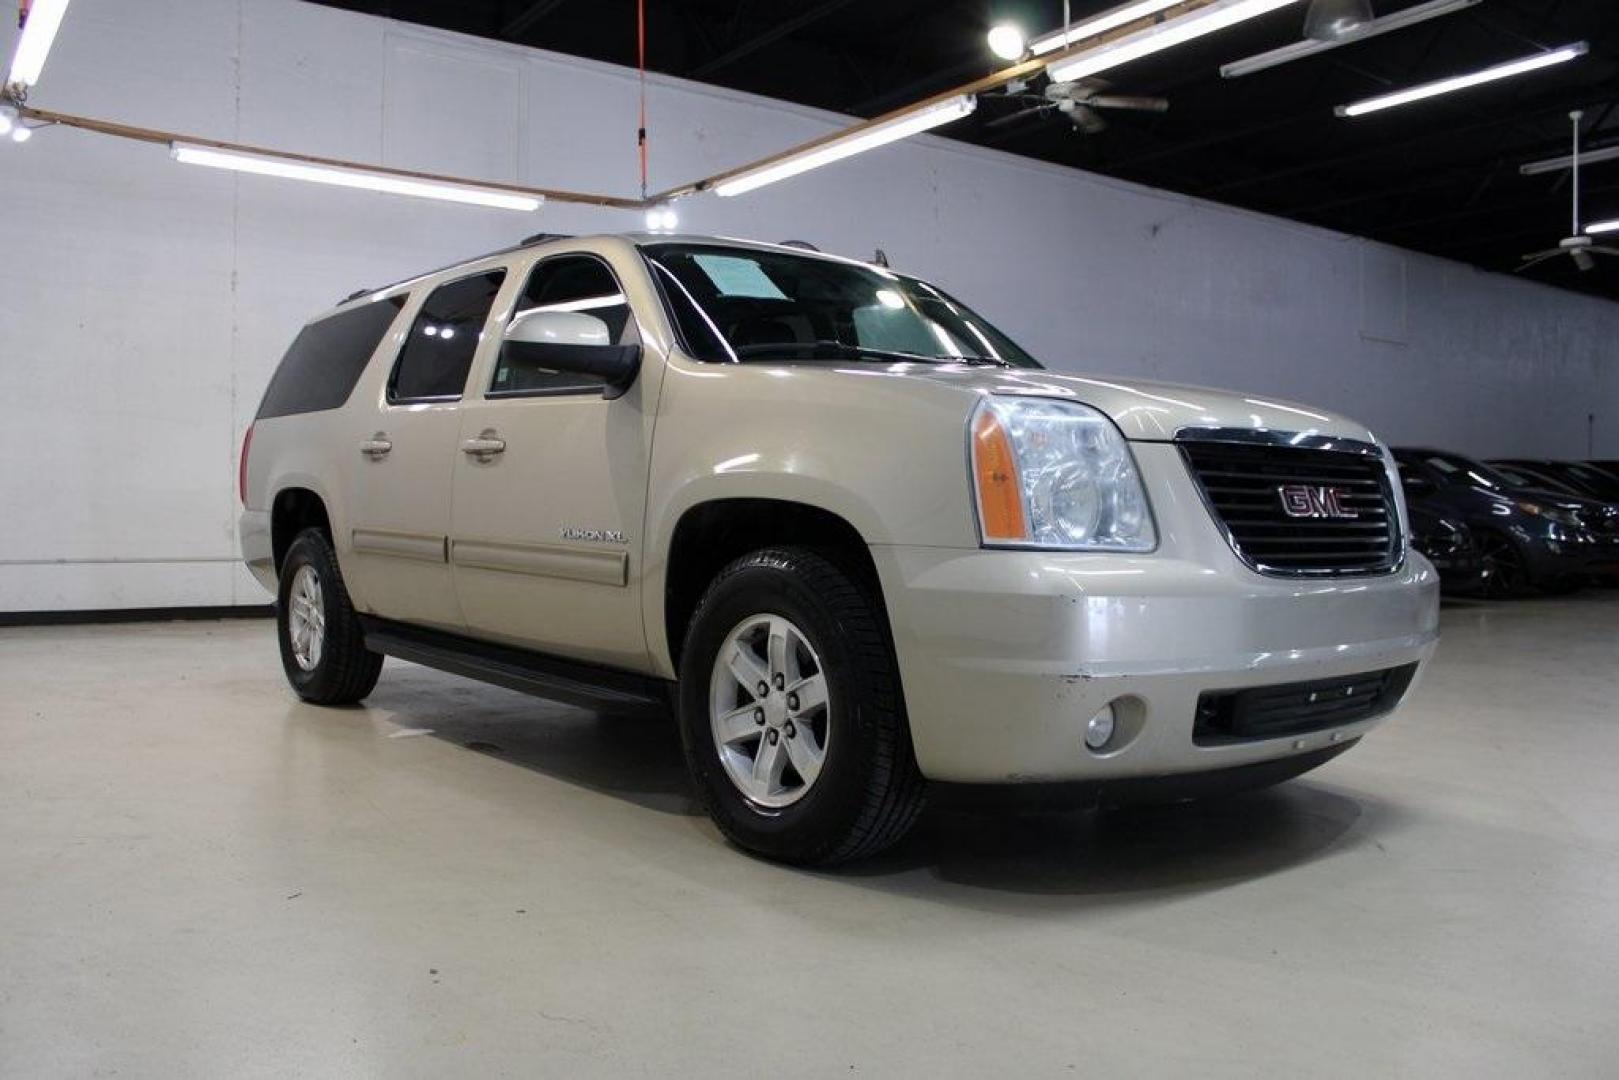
[(869, 792), (345, 670)]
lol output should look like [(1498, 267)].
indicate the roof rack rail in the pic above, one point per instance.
[(543, 237), (355, 295)]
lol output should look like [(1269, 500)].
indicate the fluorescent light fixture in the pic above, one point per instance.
[(901, 127), (1597, 228), (1558, 164), (34, 44), (1165, 35), (271, 165), (1300, 49), (1462, 82), (1089, 28)]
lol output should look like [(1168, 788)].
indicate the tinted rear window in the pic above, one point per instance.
[(326, 359)]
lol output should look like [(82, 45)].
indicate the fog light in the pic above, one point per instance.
[(1099, 728)]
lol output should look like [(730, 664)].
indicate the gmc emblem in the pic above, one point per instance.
[(1309, 501)]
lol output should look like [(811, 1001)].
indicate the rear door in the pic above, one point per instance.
[(550, 486), (402, 453)]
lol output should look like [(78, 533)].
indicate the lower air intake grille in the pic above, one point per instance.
[(1293, 511), (1274, 712)]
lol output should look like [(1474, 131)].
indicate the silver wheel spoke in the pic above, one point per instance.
[(738, 724), (811, 694), (805, 755), (767, 765), (779, 648), (746, 669)]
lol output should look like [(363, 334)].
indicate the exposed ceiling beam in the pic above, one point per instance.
[(769, 37), (531, 15)]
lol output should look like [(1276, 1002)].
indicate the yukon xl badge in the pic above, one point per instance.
[(595, 536), (1309, 501)]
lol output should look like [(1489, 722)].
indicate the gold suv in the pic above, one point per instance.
[(864, 542)]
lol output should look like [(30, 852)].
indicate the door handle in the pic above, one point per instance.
[(376, 447), (485, 446)]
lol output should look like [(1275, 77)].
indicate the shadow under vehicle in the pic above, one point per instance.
[(1527, 538)]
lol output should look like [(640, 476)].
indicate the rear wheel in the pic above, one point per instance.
[(791, 713), (322, 646)]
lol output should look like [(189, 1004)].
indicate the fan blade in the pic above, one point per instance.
[(1601, 250), (1583, 259), (1017, 117), (1537, 258), (1127, 101)]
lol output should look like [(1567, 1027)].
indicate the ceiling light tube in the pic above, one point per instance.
[(1108, 20), (1599, 227), (901, 127), (1165, 35), (1558, 164), (1300, 49), (400, 184), (1462, 82), (34, 44)]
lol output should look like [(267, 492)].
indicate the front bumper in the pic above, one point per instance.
[(1004, 655)]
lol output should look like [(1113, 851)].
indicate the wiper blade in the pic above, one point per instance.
[(829, 350), (842, 350)]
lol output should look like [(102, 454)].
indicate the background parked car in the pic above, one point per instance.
[(1572, 477), (1450, 546), (1527, 538)]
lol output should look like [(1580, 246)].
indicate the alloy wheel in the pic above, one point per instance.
[(769, 710), (306, 618)]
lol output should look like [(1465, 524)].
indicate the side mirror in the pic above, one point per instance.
[(574, 342)]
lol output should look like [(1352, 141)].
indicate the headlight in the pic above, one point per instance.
[(1056, 474), (1566, 518)]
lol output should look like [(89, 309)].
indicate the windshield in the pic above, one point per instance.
[(737, 304), (1467, 471)]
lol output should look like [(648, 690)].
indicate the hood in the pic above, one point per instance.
[(1152, 411)]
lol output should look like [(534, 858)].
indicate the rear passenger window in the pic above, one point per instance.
[(438, 350), (326, 359), (580, 283)]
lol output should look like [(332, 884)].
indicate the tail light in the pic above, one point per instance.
[(241, 465)]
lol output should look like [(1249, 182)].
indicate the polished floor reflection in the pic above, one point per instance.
[(201, 877)]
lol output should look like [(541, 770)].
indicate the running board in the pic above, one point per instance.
[(590, 686)]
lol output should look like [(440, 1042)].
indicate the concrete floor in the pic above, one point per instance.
[(201, 877)]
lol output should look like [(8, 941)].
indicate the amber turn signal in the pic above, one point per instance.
[(1000, 497)]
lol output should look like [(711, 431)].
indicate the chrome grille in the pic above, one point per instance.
[(1298, 511)]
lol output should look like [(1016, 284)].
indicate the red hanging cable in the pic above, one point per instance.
[(640, 137)]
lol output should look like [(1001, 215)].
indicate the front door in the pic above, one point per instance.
[(550, 489), (403, 457)]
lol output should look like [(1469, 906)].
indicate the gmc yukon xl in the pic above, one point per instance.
[(863, 541)]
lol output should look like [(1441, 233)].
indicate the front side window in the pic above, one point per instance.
[(439, 348), (739, 304), (570, 283)]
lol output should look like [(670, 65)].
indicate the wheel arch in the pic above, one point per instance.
[(711, 533)]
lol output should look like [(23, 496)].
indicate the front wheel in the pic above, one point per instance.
[(322, 646), (791, 713), (1505, 571)]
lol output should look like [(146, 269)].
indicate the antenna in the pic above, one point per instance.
[(1575, 116)]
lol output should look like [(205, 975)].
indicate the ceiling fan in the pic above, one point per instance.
[(1577, 246), (1081, 101)]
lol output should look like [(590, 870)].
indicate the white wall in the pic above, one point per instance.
[(144, 304)]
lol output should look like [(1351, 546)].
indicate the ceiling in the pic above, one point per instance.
[(1438, 176)]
